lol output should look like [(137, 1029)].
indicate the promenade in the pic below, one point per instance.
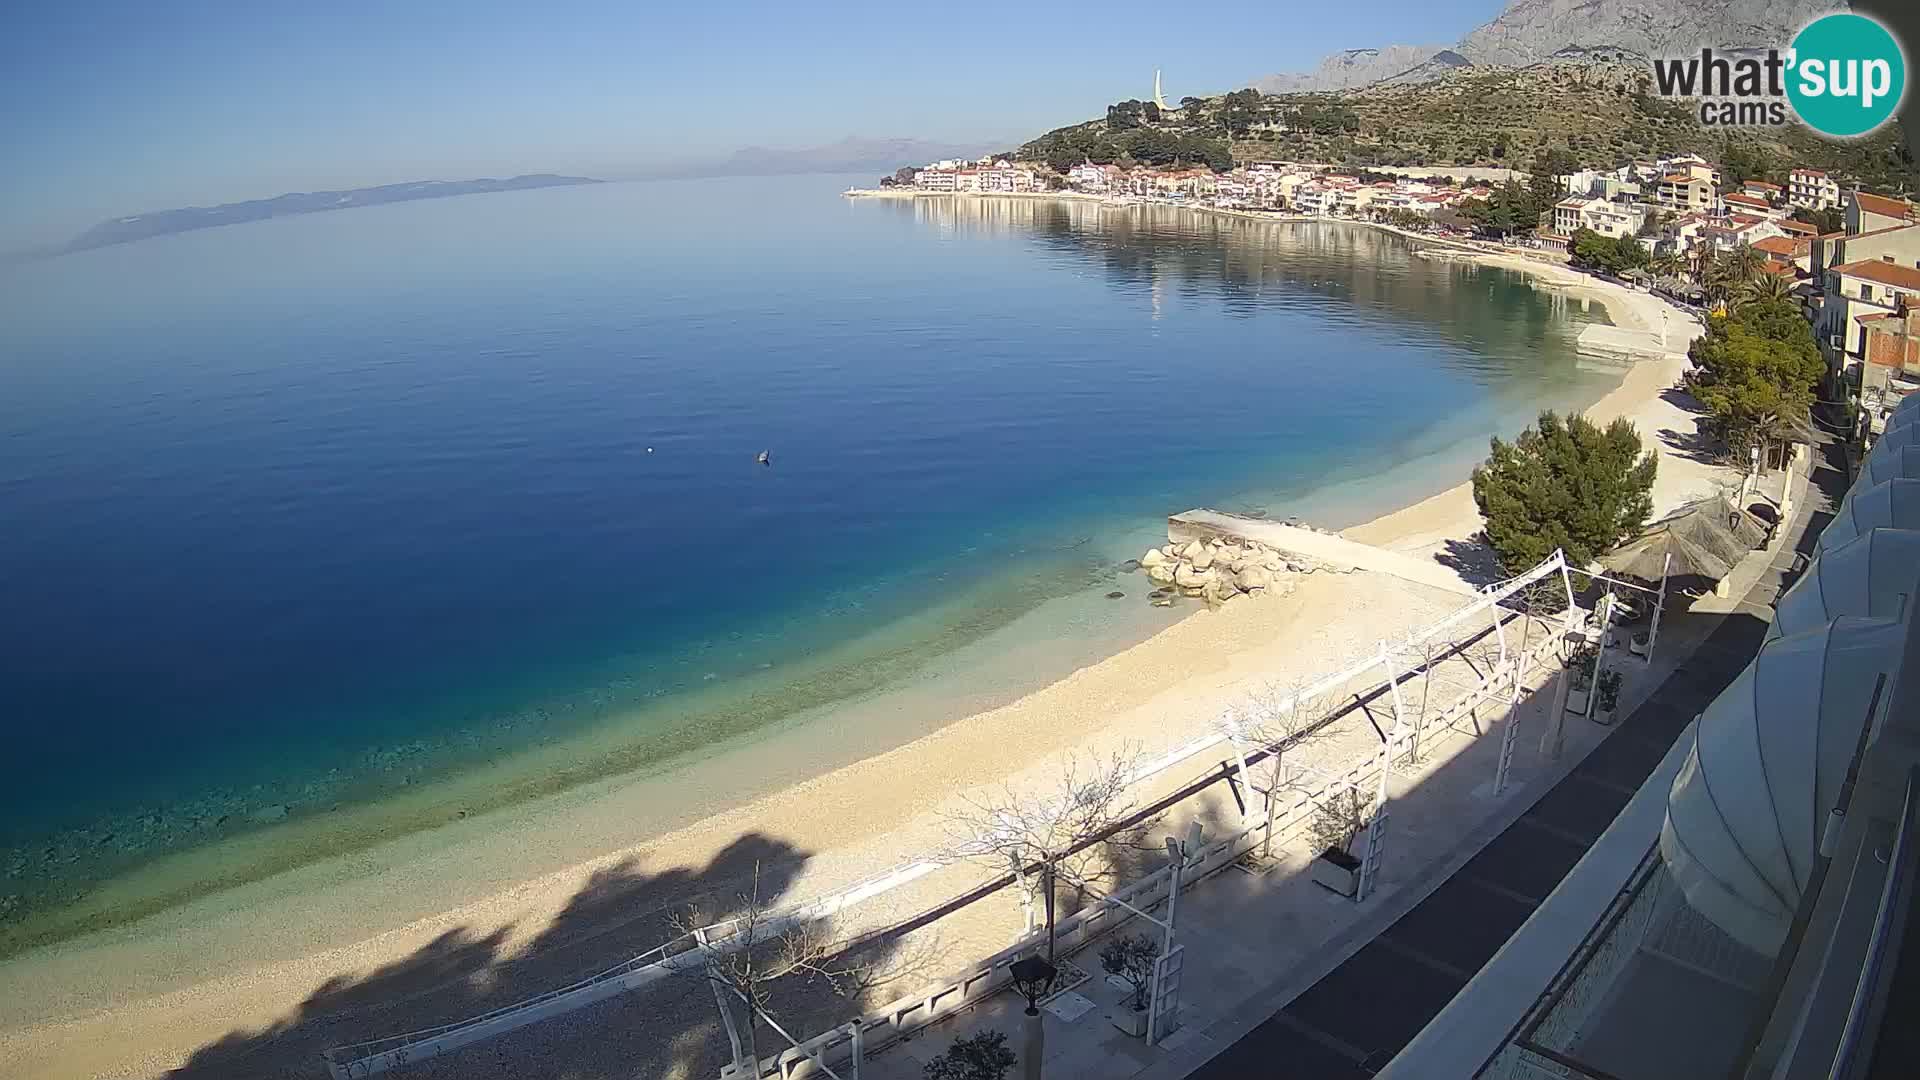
[(1284, 978)]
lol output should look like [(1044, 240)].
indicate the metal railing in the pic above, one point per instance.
[(936, 1001), (373, 1056)]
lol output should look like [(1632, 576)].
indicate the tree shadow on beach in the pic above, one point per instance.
[(1697, 445), (1472, 558), (622, 910)]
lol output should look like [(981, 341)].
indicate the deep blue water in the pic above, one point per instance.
[(279, 497)]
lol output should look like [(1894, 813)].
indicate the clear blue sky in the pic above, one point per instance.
[(120, 107)]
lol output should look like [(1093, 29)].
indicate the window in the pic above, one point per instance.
[(1866, 291)]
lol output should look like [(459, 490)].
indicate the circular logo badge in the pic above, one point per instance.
[(1848, 75)]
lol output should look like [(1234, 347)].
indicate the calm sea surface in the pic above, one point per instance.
[(304, 512)]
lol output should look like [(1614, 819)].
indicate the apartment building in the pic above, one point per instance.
[(1681, 192), (1615, 219), (1812, 189)]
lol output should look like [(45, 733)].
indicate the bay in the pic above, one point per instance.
[(303, 513)]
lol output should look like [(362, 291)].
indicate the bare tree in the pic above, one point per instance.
[(1279, 720), (749, 951), (1339, 819), (1056, 826)]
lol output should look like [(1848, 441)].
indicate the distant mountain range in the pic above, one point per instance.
[(846, 156), (125, 230), (1532, 31)]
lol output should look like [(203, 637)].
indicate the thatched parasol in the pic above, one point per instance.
[(1705, 538)]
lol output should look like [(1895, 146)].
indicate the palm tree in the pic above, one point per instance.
[(1763, 287), (1742, 264), (1709, 271), (1668, 265)]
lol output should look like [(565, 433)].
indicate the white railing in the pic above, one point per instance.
[(937, 1001), (681, 954), (374, 1056)]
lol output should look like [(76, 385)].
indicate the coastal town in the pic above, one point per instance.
[(1682, 226)]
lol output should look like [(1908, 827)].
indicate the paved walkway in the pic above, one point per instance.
[(1285, 979), (1353, 1020)]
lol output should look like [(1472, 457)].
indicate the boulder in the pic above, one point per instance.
[(1192, 577), (1192, 549), (1154, 557), (1161, 573), (1204, 559), (1252, 578)]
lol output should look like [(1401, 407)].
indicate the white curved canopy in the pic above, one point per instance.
[(1895, 439), (1745, 814), (1894, 504), (1903, 463), (1874, 574)]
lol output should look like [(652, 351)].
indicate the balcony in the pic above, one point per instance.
[(1655, 993)]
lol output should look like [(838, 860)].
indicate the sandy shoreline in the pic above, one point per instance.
[(247, 958)]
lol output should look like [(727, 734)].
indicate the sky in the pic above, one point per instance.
[(111, 108)]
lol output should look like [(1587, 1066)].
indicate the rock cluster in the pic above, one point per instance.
[(1218, 570)]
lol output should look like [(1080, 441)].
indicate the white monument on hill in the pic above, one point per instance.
[(1157, 99)]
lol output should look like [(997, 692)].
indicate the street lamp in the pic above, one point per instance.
[(1033, 976)]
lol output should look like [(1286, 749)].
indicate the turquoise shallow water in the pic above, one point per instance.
[(311, 511)]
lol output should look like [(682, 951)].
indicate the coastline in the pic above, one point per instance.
[(247, 957)]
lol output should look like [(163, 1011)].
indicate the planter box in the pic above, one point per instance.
[(1130, 1020), (1602, 716), (1577, 701), (1337, 870)]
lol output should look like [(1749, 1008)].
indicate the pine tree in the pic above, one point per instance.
[(1564, 484)]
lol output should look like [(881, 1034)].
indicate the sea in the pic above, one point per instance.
[(302, 516)]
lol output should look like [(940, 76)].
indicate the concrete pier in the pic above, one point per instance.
[(1619, 343), (1318, 549)]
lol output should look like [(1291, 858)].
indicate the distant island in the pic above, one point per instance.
[(125, 230)]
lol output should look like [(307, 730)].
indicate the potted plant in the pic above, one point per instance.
[(980, 1056), (1580, 679), (1606, 697), (1333, 827), (1131, 959)]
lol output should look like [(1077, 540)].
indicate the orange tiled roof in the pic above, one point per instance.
[(1885, 207), (1886, 273), (1797, 228), (1784, 247)]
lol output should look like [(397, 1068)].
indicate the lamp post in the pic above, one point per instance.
[(1033, 976)]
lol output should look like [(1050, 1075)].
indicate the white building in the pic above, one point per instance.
[(939, 176), (1812, 189), (1606, 218)]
